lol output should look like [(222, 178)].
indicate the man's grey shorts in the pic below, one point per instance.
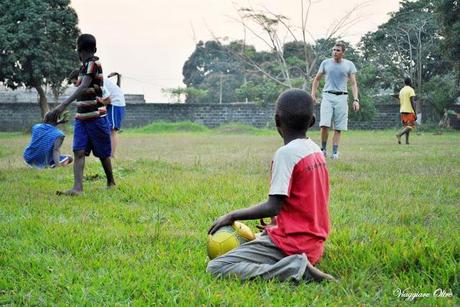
[(334, 110)]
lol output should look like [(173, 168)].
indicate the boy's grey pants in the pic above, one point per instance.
[(260, 257)]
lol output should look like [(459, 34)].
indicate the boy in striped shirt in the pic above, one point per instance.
[(91, 130)]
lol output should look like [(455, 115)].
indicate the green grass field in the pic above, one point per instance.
[(395, 212)]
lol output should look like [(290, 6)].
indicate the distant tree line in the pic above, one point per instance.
[(421, 40)]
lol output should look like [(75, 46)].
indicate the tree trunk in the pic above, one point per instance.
[(418, 106), (220, 89), (43, 102)]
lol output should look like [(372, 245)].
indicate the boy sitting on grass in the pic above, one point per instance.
[(44, 149), (298, 200)]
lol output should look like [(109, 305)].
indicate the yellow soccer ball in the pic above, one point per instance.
[(228, 238)]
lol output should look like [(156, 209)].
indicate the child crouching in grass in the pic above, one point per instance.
[(44, 150), (298, 200)]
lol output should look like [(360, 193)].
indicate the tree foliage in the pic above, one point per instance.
[(298, 58), (221, 71), (414, 43), (212, 67), (37, 41), (226, 77), (440, 91), (406, 45), (291, 59), (448, 13)]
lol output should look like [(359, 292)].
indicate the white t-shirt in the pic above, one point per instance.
[(116, 94)]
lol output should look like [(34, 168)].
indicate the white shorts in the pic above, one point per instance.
[(334, 110)]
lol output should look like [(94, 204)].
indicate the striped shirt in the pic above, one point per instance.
[(39, 153), (87, 105)]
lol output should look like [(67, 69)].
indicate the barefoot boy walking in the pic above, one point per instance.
[(91, 130)]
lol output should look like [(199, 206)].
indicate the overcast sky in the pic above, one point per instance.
[(148, 41)]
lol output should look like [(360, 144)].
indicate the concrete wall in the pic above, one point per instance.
[(22, 116)]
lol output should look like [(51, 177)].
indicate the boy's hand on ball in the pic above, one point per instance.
[(221, 222), (264, 225)]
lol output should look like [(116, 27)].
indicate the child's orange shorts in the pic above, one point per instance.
[(408, 119)]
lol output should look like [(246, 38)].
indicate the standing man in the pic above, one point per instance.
[(407, 110), (334, 105)]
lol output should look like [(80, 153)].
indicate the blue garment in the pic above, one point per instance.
[(39, 153), (92, 135), (115, 115)]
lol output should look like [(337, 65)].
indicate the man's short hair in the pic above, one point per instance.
[(407, 81), (295, 109), (341, 45), (86, 42), (74, 75)]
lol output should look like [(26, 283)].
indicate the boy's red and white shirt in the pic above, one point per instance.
[(300, 173)]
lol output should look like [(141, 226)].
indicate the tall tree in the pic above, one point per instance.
[(406, 45), (212, 67), (37, 41), (448, 12), (273, 29)]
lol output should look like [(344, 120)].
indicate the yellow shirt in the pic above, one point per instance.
[(404, 99)]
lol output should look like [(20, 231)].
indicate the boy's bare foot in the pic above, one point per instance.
[(318, 275), (399, 138), (110, 185), (69, 193), (66, 162)]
